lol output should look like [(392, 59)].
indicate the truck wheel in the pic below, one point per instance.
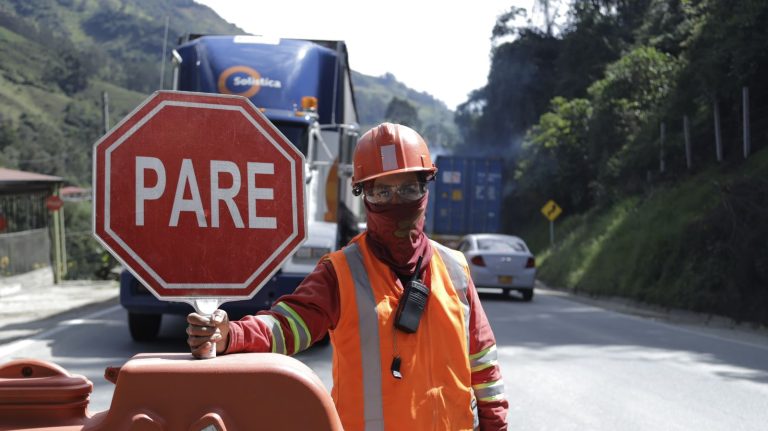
[(527, 295), (323, 341), (144, 327)]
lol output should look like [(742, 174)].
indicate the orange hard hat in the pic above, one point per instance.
[(390, 149)]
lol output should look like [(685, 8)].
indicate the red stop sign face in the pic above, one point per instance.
[(53, 203), (199, 195)]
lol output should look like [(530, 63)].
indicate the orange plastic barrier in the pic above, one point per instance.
[(171, 392), (36, 394)]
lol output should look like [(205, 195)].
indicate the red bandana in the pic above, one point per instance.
[(396, 235)]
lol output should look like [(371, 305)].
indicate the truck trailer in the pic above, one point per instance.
[(304, 87), (465, 197)]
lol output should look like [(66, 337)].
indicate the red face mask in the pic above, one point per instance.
[(396, 234)]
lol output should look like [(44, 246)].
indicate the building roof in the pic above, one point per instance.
[(12, 175), (13, 181), (72, 190), (74, 194)]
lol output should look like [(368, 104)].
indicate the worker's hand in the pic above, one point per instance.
[(203, 331)]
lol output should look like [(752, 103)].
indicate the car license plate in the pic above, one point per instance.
[(505, 279)]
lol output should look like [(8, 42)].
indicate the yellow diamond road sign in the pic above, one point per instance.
[(551, 210)]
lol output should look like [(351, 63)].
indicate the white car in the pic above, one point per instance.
[(500, 261)]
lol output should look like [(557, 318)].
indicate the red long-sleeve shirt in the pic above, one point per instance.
[(316, 299)]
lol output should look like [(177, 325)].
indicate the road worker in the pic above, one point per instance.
[(412, 347)]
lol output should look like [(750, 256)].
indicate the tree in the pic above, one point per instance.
[(86, 258), (629, 101), (555, 162), (8, 143), (402, 112), (70, 72), (439, 135)]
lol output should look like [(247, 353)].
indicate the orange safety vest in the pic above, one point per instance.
[(435, 390)]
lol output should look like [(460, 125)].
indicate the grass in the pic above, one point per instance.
[(672, 247), (9, 37), (121, 101)]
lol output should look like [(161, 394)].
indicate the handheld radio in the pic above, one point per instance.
[(412, 303)]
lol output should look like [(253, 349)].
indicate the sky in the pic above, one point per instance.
[(440, 47)]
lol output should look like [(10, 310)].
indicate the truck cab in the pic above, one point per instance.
[(304, 88)]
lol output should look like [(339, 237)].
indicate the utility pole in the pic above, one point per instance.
[(162, 56), (105, 110)]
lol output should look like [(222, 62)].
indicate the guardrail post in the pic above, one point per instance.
[(718, 136), (662, 133), (745, 104), (687, 136)]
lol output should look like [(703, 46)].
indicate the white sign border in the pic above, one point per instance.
[(170, 286)]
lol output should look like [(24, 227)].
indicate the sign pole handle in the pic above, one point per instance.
[(205, 307)]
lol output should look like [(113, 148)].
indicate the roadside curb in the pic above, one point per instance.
[(32, 303), (8, 289), (29, 328)]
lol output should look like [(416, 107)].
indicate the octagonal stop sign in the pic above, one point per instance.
[(199, 195)]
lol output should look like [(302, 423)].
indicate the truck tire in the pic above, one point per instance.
[(144, 327), (323, 341), (527, 295)]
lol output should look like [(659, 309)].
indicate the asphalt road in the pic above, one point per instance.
[(568, 365)]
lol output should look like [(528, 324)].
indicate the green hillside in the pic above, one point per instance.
[(58, 57), (697, 245), (56, 60), (374, 95)]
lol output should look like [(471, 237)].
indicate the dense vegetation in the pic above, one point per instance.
[(56, 59), (698, 244), (593, 118)]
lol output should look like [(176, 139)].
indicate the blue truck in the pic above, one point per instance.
[(465, 197), (304, 88)]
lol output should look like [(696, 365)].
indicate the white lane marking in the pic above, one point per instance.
[(21, 344)]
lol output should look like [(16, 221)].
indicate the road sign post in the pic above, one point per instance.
[(552, 233), (551, 211), (199, 196)]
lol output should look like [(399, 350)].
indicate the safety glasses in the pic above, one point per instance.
[(382, 194)]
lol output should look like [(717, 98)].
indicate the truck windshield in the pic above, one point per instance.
[(298, 134)]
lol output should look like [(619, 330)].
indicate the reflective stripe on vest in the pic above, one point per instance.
[(483, 359), (301, 337), (458, 279), (373, 411), (460, 282), (490, 391), (278, 340)]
